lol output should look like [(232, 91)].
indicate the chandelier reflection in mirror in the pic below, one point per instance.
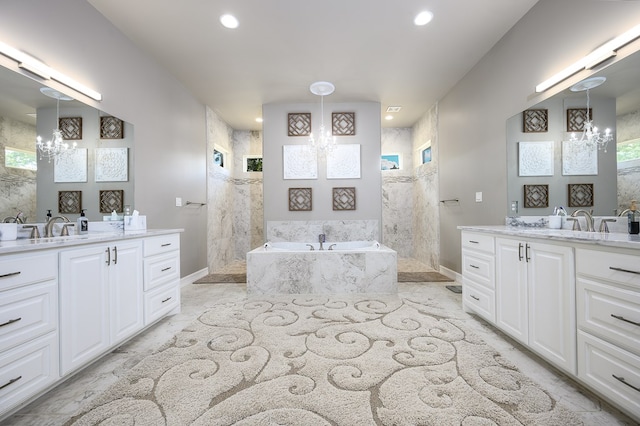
[(591, 136), (54, 147), (324, 142)]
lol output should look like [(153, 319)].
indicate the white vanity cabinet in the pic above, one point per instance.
[(535, 297), (478, 273), (101, 299), (28, 326), (161, 276), (608, 313)]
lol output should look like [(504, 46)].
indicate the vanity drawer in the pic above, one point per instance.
[(599, 363), (161, 244), (161, 301), (617, 267), (479, 299), (17, 270), (27, 312), (27, 369), (479, 267), (161, 269), (611, 312), (478, 241)]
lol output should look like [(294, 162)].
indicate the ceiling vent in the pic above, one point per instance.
[(394, 108)]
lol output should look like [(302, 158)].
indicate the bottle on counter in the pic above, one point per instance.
[(83, 223), (634, 218), (48, 215)]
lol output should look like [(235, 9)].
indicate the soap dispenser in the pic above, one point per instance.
[(83, 223), (48, 215), (634, 218)]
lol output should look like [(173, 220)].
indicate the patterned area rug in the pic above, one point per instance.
[(419, 277), (339, 360)]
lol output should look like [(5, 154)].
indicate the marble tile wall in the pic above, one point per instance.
[(628, 128), (426, 203), (397, 193), (17, 187), (334, 230)]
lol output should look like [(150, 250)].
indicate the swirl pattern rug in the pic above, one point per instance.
[(336, 360)]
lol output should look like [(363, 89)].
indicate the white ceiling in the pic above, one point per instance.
[(369, 49)]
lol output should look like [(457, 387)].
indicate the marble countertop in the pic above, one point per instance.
[(613, 239), (27, 244)]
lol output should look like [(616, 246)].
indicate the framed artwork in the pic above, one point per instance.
[(300, 199), (71, 166), (344, 198), (112, 164), (111, 127), (536, 196), (69, 202), (252, 163), (535, 158), (343, 123), (70, 127), (219, 157), (343, 162), (579, 158), (391, 162), (111, 200), (580, 194), (535, 121), (299, 124), (299, 162), (424, 154), (576, 117)]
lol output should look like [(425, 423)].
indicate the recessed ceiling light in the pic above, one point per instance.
[(229, 21), (394, 108), (388, 117), (423, 18)]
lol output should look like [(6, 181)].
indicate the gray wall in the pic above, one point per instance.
[(72, 37), (604, 183), (368, 187), (472, 117)]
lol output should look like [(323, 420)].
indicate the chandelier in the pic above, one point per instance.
[(54, 147), (325, 141), (591, 136)]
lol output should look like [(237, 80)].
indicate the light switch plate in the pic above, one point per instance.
[(478, 197), (178, 202)]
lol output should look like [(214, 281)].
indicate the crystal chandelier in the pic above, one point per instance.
[(325, 142), (591, 136), (54, 147)]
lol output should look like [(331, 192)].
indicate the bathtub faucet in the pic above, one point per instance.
[(321, 239)]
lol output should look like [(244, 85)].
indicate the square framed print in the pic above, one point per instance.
[(535, 158), (299, 162), (300, 199), (579, 158), (111, 200), (580, 194), (71, 166), (536, 196), (391, 162), (343, 162), (69, 202), (344, 198), (535, 121), (112, 164)]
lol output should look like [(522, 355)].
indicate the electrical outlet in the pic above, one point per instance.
[(178, 202), (514, 207), (478, 197)]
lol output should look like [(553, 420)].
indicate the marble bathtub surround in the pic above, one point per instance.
[(334, 230), (322, 272)]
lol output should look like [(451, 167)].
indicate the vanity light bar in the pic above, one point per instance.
[(36, 67), (601, 54)]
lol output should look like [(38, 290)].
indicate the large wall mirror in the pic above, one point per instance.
[(544, 170), (97, 177)]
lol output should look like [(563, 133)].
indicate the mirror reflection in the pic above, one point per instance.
[(545, 169), (99, 170)]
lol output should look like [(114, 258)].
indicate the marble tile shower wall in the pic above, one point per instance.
[(17, 187), (628, 128), (397, 193), (426, 208), (220, 195)]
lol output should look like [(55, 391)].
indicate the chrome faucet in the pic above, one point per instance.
[(588, 218), (624, 212), (48, 228), (321, 239)]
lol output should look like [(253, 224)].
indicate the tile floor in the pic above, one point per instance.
[(58, 405)]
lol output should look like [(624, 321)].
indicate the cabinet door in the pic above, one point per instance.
[(125, 287), (511, 288), (84, 307), (551, 288)]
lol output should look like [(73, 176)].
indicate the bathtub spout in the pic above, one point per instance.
[(311, 247), (321, 239)]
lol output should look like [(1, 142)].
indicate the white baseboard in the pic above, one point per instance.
[(451, 274), (195, 276)]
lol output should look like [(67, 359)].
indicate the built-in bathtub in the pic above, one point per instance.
[(340, 267)]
